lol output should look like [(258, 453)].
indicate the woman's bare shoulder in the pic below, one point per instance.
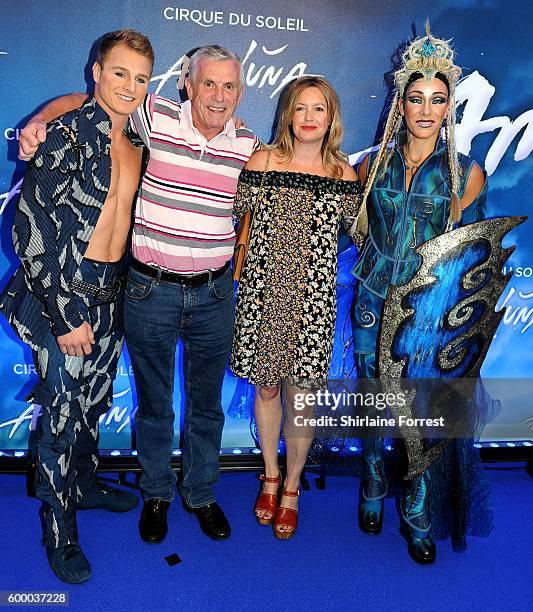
[(362, 169), (474, 185), (258, 160), (348, 173)]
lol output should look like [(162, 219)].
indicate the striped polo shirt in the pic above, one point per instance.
[(183, 215)]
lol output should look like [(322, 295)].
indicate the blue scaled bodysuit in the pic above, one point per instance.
[(400, 220)]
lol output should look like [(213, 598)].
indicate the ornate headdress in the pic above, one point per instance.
[(428, 56)]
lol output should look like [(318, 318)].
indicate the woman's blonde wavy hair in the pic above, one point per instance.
[(332, 157)]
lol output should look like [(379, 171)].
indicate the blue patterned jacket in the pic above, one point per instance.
[(399, 220), (63, 192)]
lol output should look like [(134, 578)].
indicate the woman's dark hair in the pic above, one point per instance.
[(418, 75)]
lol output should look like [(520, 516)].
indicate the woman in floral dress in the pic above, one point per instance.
[(299, 190)]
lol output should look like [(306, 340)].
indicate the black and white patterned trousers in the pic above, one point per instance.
[(73, 393)]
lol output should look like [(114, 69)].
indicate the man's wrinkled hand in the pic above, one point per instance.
[(77, 342), (30, 138)]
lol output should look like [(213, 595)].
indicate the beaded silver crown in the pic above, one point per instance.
[(427, 55)]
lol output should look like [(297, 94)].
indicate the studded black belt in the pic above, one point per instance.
[(104, 294)]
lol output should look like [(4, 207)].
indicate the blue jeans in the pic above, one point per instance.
[(156, 315)]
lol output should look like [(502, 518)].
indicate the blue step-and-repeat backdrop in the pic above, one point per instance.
[(44, 52)]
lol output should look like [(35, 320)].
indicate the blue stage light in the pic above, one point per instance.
[(528, 444), (134, 453), (354, 449), (237, 451), (511, 444), (115, 453), (477, 446), (1, 454), (494, 445), (388, 447), (334, 449), (177, 452), (256, 451), (19, 453)]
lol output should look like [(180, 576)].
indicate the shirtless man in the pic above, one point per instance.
[(71, 230)]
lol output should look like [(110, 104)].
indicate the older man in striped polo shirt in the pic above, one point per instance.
[(180, 283)]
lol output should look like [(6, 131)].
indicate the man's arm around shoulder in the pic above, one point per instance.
[(35, 131)]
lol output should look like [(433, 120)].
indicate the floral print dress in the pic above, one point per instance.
[(286, 306)]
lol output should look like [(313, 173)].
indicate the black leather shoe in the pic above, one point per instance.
[(421, 549), (213, 521), (153, 524)]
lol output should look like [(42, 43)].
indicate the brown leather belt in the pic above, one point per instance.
[(173, 277)]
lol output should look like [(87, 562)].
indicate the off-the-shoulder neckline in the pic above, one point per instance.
[(303, 174)]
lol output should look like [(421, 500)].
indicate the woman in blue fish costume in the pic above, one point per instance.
[(416, 187)]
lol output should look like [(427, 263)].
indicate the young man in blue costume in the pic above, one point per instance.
[(415, 189), (71, 230)]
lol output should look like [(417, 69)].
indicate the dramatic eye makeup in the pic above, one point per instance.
[(417, 97)]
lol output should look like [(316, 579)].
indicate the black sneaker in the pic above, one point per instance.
[(108, 498), (69, 563)]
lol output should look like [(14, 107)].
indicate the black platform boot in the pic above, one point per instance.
[(373, 489), (416, 521)]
